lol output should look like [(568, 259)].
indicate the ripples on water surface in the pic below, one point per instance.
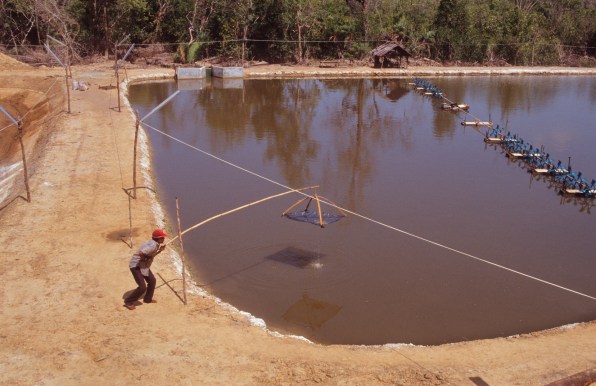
[(382, 150)]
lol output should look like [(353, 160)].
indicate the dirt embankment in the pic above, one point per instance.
[(64, 272), (34, 104)]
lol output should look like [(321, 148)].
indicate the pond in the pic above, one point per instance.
[(446, 240)]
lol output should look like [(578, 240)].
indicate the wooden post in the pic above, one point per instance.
[(243, 46), (134, 161), (319, 209), (118, 87), (68, 75), (130, 219), (117, 75), (20, 128), (182, 252), (67, 87)]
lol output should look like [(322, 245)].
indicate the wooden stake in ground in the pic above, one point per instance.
[(18, 124), (117, 66), (134, 160), (68, 72), (118, 83), (20, 128), (181, 252), (67, 77)]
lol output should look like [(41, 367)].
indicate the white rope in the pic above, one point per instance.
[(6, 127), (373, 220)]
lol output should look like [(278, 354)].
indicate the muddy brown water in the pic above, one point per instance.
[(382, 150)]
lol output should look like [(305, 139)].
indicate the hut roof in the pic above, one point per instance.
[(387, 47)]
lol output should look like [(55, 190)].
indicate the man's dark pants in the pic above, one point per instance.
[(148, 288)]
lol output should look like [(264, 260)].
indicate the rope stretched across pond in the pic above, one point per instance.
[(370, 219)]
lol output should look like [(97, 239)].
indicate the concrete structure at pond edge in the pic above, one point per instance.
[(227, 72), (190, 72)]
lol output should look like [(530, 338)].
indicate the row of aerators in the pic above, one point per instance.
[(540, 162), (568, 181), (429, 89)]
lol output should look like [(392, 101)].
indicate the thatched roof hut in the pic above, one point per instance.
[(390, 54)]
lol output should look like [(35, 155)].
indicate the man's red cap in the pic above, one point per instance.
[(158, 234)]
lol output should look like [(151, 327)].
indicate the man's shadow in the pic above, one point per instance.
[(166, 283), (127, 294)]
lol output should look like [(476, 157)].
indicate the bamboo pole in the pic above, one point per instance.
[(134, 161), (116, 70), (130, 219), (333, 204), (118, 85), (295, 205), (20, 129), (239, 208), (182, 252), (67, 87), (319, 208)]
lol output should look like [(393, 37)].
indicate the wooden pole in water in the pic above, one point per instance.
[(294, 205), (20, 129), (319, 209), (182, 252)]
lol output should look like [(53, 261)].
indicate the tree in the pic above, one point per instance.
[(359, 9), (198, 18), (302, 18), (451, 26), (107, 21), (18, 19), (527, 5)]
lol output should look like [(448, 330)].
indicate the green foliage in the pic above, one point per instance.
[(180, 55), (451, 25), (493, 31), (15, 16), (188, 53), (192, 53)]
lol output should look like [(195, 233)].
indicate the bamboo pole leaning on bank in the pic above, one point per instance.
[(181, 252)]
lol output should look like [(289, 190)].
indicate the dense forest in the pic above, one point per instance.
[(498, 32)]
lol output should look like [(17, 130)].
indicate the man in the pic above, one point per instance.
[(140, 264)]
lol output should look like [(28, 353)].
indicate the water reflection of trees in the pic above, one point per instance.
[(364, 123), (279, 112), (289, 115), (510, 94), (358, 117), (446, 122)]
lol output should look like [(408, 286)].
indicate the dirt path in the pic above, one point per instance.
[(64, 272)]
